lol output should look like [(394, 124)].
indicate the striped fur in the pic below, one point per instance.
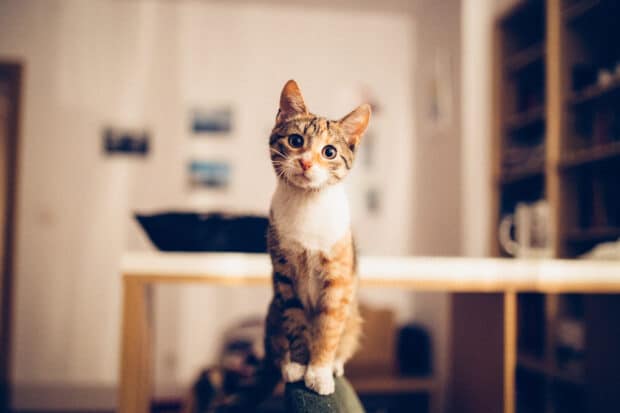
[(313, 323)]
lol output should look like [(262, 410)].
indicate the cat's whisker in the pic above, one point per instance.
[(277, 152)]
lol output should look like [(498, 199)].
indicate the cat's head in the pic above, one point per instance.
[(311, 152)]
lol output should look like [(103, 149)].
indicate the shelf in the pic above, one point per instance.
[(521, 9), (579, 9), (593, 234), (591, 155), (525, 119), (525, 57), (532, 363), (540, 366), (593, 93), (520, 174)]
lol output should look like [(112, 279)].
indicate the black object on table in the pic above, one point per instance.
[(194, 232)]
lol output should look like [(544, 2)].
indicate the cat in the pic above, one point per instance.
[(313, 323)]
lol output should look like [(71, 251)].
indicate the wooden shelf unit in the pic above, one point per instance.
[(579, 9), (518, 175), (547, 93), (524, 58), (525, 119), (541, 366), (594, 92), (590, 234), (590, 155)]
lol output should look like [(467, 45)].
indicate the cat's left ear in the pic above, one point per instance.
[(291, 102), (355, 124)]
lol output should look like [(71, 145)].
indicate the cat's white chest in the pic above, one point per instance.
[(315, 220)]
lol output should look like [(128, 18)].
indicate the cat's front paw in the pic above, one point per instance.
[(339, 368), (292, 371), (320, 379)]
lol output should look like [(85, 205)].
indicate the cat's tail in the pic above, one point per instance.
[(212, 393)]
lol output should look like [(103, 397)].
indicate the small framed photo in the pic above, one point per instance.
[(209, 174), (212, 121), (125, 142)]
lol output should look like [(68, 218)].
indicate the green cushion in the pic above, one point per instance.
[(299, 399)]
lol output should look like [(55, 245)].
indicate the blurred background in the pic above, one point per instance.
[(495, 132)]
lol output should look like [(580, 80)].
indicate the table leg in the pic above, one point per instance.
[(510, 350), (136, 355)]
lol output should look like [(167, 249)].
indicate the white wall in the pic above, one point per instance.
[(478, 17), (92, 64), (437, 222), (476, 114)]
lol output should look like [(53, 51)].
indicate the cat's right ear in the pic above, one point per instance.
[(355, 124), (291, 102)]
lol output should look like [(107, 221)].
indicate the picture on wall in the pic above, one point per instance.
[(126, 141), (209, 174), (212, 121)]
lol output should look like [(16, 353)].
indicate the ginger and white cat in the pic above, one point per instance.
[(313, 323)]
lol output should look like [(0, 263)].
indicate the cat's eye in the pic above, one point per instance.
[(329, 152), (296, 141)]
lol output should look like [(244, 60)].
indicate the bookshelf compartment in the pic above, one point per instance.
[(531, 329), (527, 91), (567, 397), (594, 92), (531, 389), (592, 189), (591, 204), (523, 27), (591, 56), (526, 58), (591, 155), (530, 118), (575, 10)]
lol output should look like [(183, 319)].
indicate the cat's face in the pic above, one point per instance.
[(311, 152)]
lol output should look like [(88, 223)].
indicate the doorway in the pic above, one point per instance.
[(10, 89)]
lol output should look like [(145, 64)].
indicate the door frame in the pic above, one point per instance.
[(12, 73)]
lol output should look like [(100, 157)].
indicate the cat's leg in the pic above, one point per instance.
[(333, 308), (296, 330), (276, 343), (291, 360), (294, 322), (327, 331), (349, 341), (295, 326)]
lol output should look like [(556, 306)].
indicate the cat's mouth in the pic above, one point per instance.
[(309, 179), (305, 180)]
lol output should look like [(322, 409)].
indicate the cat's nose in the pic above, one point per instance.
[(305, 164)]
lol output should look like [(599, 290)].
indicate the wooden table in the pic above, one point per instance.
[(463, 275)]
